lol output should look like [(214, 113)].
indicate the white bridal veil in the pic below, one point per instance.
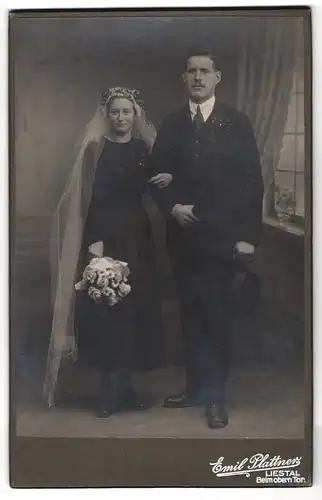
[(67, 234)]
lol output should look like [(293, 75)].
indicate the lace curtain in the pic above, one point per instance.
[(265, 78)]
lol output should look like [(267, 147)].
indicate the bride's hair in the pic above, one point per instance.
[(127, 93)]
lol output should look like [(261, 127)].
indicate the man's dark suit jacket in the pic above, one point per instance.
[(218, 171)]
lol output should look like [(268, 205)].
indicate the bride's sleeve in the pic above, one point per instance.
[(163, 160)]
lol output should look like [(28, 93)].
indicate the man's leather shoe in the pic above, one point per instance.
[(104, 412), (180, 400), (217, 417)]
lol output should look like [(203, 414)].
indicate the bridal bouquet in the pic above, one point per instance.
[(105, 280)]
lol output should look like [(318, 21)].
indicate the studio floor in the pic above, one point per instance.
[(263, 402), (266, 387)]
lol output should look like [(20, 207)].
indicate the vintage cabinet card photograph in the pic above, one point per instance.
[(160, 248)]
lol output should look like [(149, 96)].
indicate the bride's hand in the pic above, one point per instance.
[(96, 249), (161, 180)]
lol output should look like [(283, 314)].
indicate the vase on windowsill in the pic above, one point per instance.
[(284, 204)]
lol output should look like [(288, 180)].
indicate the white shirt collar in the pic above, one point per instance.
[(206, 107)]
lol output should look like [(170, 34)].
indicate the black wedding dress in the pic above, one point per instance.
[(127, 336)]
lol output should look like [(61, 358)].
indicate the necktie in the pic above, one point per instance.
[(198, 119)]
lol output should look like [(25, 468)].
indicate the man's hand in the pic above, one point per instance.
[(183, 214), (244, 253), (161, 180), (244, 247)]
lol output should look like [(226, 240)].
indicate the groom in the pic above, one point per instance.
[(213, 209)]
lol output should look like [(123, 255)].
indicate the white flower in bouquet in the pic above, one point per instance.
[(90, 275), (95, 260), (124, 289), (103, 263), (95, 294), (118, 274), (115, 282), (109, 295), (124, 268), (103, 280), (107, 291)]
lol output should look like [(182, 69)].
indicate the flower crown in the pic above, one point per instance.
[(128, 93)]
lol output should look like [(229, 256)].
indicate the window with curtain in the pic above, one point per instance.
[(289, 175)]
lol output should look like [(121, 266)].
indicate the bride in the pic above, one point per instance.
[(102, 213)]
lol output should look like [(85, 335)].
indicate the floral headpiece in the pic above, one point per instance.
[(128, 93)]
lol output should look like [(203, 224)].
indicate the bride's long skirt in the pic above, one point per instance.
[(126, 336)]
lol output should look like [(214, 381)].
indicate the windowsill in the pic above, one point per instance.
[(289, 227)]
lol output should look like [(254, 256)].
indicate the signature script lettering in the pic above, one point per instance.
[(259, 461), (218, 467)]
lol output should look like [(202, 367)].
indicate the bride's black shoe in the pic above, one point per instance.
[(107, 398), (106, 407), (130, 400), (117, 394)]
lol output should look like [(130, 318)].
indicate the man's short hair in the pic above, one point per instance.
[(204, 53)]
